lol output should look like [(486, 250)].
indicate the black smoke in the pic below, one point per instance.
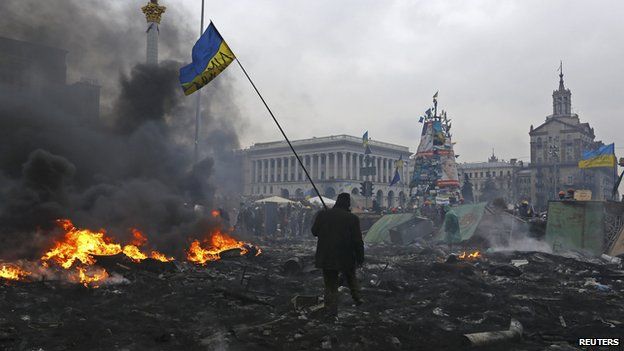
[(132, 169)]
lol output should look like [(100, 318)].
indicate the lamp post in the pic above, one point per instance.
[(553, 152)]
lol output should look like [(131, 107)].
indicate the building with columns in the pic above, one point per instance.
[(557, 146), (508, 177), (334, 164)]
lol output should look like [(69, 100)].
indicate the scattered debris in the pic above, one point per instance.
[(415, 301), (493, 337)]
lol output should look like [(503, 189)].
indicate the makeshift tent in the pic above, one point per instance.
[(589, 225), (469, 217), (618, 244), (317, 201), (275, 199), (380, 231)]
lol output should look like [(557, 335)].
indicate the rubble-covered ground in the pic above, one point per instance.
[(414, 301)]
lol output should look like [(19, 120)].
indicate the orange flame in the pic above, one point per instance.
[(11, 272), (217, 243), (134, 253), (471, 256), (93, 278), (80, 244), (138, 238), (215, 213), (160, 257)]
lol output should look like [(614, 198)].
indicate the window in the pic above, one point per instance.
[(501, 173), (487, 174), (481, 174)]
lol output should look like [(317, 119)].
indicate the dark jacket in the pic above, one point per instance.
[(340, 245)]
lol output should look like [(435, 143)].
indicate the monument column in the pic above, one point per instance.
[(153, 13)]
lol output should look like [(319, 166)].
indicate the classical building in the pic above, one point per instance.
[(506, 175), (334, 164), (556, 148), (36, 75)]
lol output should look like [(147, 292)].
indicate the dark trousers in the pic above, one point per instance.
[(332, 281)]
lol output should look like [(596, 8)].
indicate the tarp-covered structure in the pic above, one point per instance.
[(469, 217), (594, 226), (380, 231)]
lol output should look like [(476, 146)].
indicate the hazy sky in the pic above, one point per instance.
[(333, 67)]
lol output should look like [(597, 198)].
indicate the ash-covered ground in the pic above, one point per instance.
[(414, 301)]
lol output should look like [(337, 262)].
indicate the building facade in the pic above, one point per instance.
[(507, 177), (36, 75), (557, 146), (333, 163)]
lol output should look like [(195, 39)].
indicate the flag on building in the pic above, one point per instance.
[(435, 96), (365, 139), (211, 55), (397, 174), (604, 156)]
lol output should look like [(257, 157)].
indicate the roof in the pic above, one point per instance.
[(581, 127), (342, 138), (482, 165)]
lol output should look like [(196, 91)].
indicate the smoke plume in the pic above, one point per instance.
[(131, 169)]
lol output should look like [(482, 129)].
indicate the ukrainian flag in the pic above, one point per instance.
[(604, 156), (211, 55)]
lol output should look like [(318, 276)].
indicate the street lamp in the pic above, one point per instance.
[(553, 153)]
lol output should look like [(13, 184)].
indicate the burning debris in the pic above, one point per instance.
[(475, 255), (218, 242), (12, 272), (80, 249), (410, 304)]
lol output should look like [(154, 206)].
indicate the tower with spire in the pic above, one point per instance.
[(562, 98), (153, 13), (557, 145)]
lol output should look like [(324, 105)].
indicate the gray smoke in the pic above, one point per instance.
[(133, 169)]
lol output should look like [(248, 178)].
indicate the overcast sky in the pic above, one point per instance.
[(333, 67)]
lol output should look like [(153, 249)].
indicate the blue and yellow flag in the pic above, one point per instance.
[(211, 55), (397, 175), (604, 156)]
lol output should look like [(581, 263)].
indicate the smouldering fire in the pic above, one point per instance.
[(91, 277), (134, 253), (11, 272), (470, 256), (214, 246), (79, 246), (82, 244), (160, 257)]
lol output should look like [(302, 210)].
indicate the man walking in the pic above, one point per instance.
[(339, 250)]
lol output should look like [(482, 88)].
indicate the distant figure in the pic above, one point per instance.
[(224, 216), (451, 227), (339, 250), (525, 211), (376, 207), (570, 194), (561, 195)]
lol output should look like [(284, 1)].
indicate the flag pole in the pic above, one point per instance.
[(198, 105), (283, 133)]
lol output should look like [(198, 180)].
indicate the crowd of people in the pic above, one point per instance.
[(291, 220)]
